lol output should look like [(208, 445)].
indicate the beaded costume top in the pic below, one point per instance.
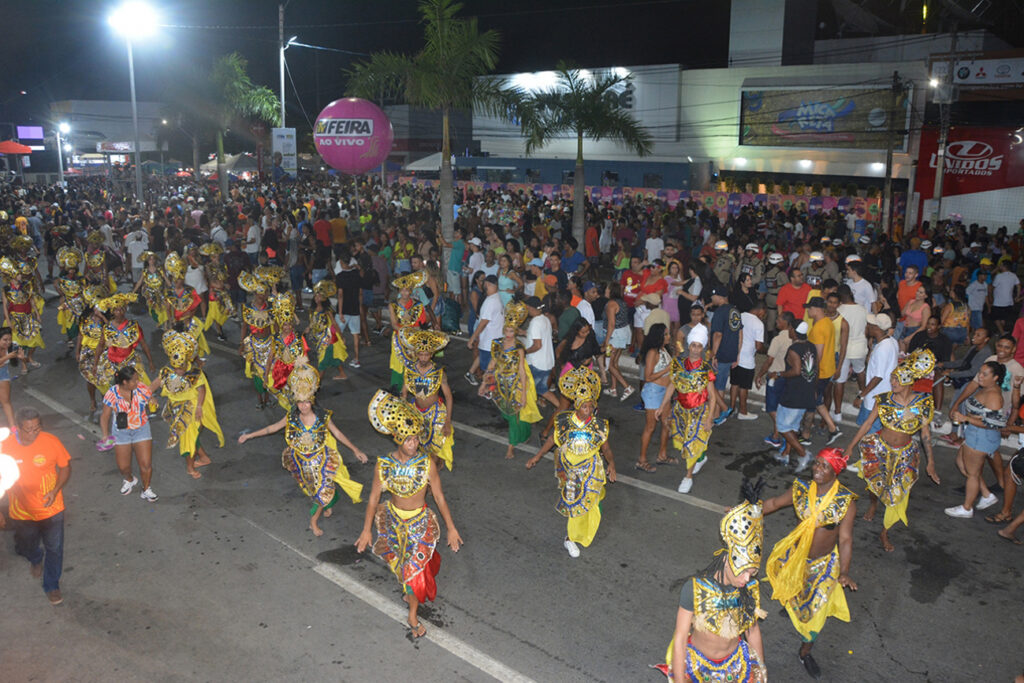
[(719, 610), (690, 379), (125, 337), (258, 319), (833, 514), (906, 419), (407, 316), (303, 439), (183, 302), (404, 479), (177, 382), (576, 439), (426, 384)]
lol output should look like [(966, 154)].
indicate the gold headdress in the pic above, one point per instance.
[(283, 308), (20, 242), (580, 385), (250, 283), (303, 381), (69, 258), (96, 259), (270, 275), (8, 268), (325, 288), (95, 238), (93, 294), (410, 280), (515, 314), (391, 415), (119, 300), (211, 249), (27, 267), (417, 340), (915, 366), (145, 256), (180, 347), (174, 265), (742, 529)]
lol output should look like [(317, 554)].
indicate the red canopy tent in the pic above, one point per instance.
[(12, 147)]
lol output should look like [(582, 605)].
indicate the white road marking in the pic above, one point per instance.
[(378, 601)]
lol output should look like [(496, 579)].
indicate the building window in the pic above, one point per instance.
[(533, 175), (610, 179), (652, 180)]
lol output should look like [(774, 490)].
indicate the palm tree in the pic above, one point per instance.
[(235, 96), (585, 106), (445, 75)]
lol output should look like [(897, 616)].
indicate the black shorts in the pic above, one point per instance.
[(1004, 313), (822, 386), (742, 377)]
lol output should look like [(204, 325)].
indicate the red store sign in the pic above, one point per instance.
[(977, 160)]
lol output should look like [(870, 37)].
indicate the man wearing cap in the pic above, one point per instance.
[(751, 263), (882, 361), (774, 279), (726, 339), (823, 335), (724, 268), (476, 260)]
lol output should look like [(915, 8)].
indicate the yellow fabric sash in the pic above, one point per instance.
[(785, 566)]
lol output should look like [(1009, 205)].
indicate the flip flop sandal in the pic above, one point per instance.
[(998, 518), (644, 467)]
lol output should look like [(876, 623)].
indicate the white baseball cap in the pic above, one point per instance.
[(817, 256)]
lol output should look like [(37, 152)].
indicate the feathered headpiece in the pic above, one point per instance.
[(391, 415), (580, 385)]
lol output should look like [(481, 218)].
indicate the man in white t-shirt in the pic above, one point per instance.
[(881, 362), (1005, 286), (476, 257), (742, 375), (863, 292), (589, 293), (136, 242), (855, 359), (252, 242), (492, 319), (218, 234), (540, 349), (654, 245)]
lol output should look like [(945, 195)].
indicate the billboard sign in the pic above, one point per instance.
[(849, 117), (977, 160), (282, 141)]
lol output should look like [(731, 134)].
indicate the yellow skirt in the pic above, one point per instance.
[(179, 413), (215, 313), (821, 597)]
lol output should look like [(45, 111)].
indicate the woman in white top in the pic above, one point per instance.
[(657, 361)]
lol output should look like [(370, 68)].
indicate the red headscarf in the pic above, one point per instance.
[(835, 458)]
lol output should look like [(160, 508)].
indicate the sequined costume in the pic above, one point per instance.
[(256, 344), (26, 325), (509, 392), (809, 587), (328, 345), (312, 458), (579, 468), (286, 351), (154, 291), (891, 472), (219, 307), (184, 304), (412, 314), (71, 287), (121, 343), (691, 422), (91, 332)]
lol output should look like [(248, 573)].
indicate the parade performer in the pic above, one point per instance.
[(70, 285), (405, 312), (427, 384), (288, 348), (220, 307), (809, 568), (695, 406), (582, 441), (20, 312), (890, 458), (510, 381), (254, 346), (183, 302), (189, 406), (119, 343), (407, 530), (717, 637), (96, 264), (311, 453), (153, 287), (90, 336), (323, 332)]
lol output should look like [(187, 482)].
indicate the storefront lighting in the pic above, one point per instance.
[(806, 163), (878, 166), (934, 82), (739, 161)]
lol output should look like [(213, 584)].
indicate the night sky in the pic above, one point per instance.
[(64, 49)]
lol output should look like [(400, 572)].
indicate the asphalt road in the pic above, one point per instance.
[(221, 580)]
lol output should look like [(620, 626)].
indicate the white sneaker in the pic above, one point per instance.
[(959, 511), (746, 416), (127, 486), (574, 550), (149, 496), (685, 485), (802, 463), (986, 501), (836, 417), (699, 465), (854, 467)]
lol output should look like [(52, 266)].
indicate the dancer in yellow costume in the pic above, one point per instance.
[(220, 305), (19, 310), (153, 287), (323, 332), (257, 325), (809, 568), (311, 454), (890, 459), (190, 405), (90, 337), (514, 391), (69, 284), (288, 349), (119, 343), (183, 303), (717, 637), (582, 441), (405, 312), (96, 264), (694, 404), (407, 530), (427, 384)]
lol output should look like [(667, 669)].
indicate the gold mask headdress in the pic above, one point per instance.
[(580, 385), (69, 258), (93, 294), (8, 268), (515, 314), (303, 382), (410, 280), (211, 249), (325, 288), (181, 348), (417, 340), (250, 283), (95, 238), (391, 415), (174, 265), (96, 259), (145, 256), (283, 308), (915, 366), (742, 529), (270, 275), (20, 242), (119, 300)]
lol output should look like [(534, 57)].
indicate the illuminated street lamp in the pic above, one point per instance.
[(134, 20), (284, 46), (62, 129)]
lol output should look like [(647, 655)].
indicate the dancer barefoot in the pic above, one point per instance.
[(427, 384)]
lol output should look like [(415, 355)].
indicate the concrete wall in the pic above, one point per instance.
[(994, 209)]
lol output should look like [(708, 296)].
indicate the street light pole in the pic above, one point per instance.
[(61, 128), (135, 124)]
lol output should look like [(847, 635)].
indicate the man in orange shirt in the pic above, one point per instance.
[(36, 501), (793, 296), (908, 286)]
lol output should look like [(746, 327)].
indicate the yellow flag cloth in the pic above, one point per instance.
[(785, 566)]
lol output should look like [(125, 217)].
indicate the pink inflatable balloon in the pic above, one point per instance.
[(353, 135)]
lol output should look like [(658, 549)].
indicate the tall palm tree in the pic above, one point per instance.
[(235, 97), (583, 105), (446, 75)]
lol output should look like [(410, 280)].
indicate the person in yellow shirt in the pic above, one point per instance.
[(823, 336)]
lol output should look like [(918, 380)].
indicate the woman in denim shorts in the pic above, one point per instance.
[(125, 427), (656, 362)]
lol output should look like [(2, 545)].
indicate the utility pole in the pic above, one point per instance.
[(280, 46), (894, 96), (945, 101)]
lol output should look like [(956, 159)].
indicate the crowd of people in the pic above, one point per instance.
[(668, 309)]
